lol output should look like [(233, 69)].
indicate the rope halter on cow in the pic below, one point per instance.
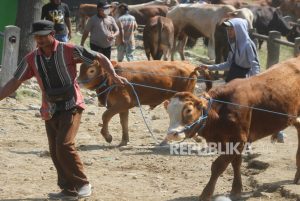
[(201, 120)]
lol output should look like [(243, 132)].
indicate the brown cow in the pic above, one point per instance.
[(158, 37), (277, 89), (142, 14), (162, 74), (85, 11), (291, 7)]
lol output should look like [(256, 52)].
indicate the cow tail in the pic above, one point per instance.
[(160, 30), (207, 77)]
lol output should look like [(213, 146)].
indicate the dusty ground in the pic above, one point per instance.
[(138, 172)]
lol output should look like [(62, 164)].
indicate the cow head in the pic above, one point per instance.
[(294, 33), (184, 109), (279, 23), (91, 76)]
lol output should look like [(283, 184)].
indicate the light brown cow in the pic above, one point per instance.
[(162, 74), (291, 7), (207, 17), (158, 37), (277, 89)]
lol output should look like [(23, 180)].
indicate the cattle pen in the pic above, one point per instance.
[(273, 45)]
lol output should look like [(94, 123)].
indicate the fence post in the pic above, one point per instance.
[(253, 38), (297, 47), (273, 48), (10, 53)]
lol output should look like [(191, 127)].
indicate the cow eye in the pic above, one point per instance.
[(91, 72), (188, 111)]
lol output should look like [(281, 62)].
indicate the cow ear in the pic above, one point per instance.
[(114, 63), (166, 103), (95, 63), (199, 105)]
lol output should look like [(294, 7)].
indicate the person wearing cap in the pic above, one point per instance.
[(59, 14), (125, 40), (53, 63), (102, 29)]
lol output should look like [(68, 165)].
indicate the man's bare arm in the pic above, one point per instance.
[(11, 86)]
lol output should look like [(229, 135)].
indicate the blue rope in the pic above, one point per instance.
[(138, 101), (162, 74), (215, 100), (255, 108)]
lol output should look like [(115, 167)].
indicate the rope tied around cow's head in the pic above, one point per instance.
[(200, 121)]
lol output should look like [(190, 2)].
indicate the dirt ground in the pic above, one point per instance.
[(141, 171)]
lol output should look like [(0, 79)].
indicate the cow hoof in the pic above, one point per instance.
[(123, 143), (297, 177), (235, 196), (108, 138), (204, 198), (163, 143)]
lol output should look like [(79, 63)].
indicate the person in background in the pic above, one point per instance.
[(242, 61), (54, 65), (59, 14), (125, 40), (103, 30)]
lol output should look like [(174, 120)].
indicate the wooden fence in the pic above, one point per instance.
[(274, 42)]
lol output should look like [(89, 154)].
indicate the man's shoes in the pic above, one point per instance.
[(85, 191), (62, 196), (280, 137)]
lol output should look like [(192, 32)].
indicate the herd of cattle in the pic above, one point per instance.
[(277, 89), (163, 37)]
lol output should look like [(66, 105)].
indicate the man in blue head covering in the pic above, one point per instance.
[(242, 61)]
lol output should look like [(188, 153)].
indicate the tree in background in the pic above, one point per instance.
[(28, 12)]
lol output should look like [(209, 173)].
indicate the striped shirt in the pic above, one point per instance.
[(129, 25), (55, 72)]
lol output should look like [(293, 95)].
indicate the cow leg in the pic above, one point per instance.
[(165, 52), (237, 186), (297, 175), (173, 49), (181, 45), (217, 168), (211, 46), (106, 117), (124, 124)]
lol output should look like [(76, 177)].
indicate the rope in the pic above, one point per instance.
[(213, 100), (162, 74), (17, 109), (138, 101), (140, 107), (255, 108)]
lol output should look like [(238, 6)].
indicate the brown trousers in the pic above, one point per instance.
[(61, 132)]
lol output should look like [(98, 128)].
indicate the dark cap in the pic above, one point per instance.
[(103, 5), (124, 5), (42, 27), (227, 24)]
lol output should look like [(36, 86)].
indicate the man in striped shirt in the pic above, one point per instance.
[(54, 65), (125, 40)]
